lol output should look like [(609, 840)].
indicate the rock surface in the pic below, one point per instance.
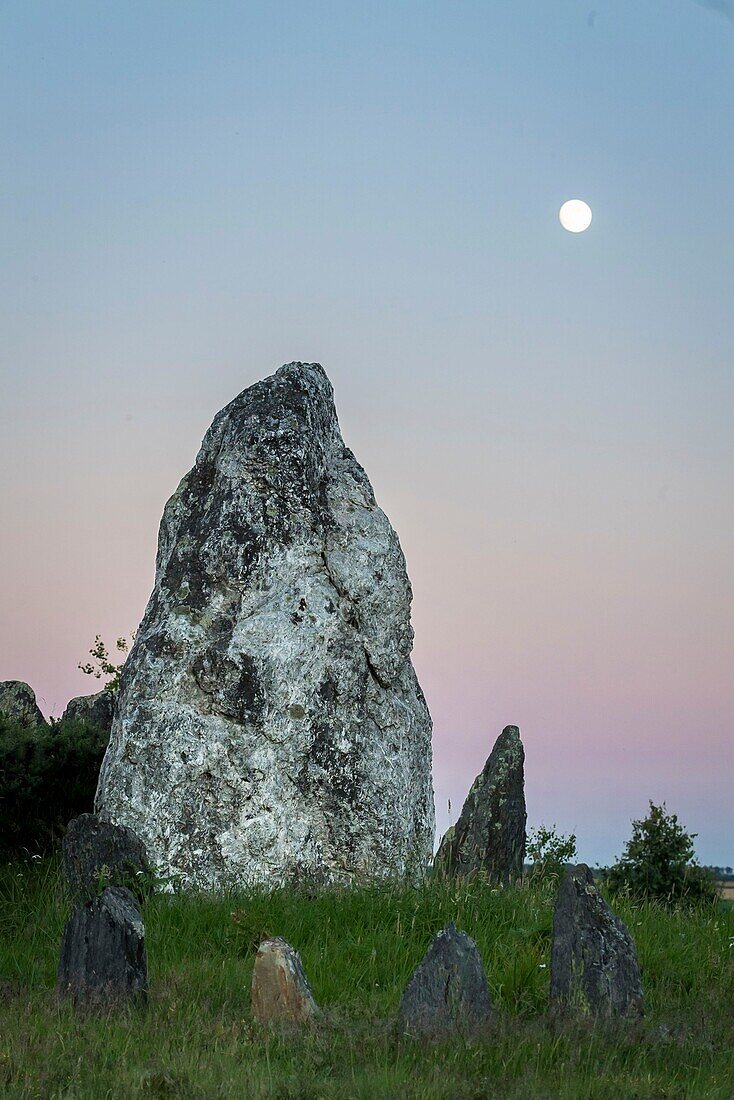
[(448, 991), (280, 990), (489, 837), (594, 967), (95, 710), (103, 961), (96, 854), (269, 724), (18, 703)]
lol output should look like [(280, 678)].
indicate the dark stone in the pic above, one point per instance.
[(18, 704), (95, 710), (448, 991), (594, 967), (489, 837), (97, 854), (103, 961)]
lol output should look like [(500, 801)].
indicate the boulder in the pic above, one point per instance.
[(96, 854), (269, 725), (103, 961), (594, 967), (448, 992), (94, 710), (18, 704), (489, 837), (280, 990)]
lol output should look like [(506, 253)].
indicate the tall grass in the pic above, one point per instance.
[(359, 947)]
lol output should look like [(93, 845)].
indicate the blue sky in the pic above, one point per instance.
[(193, 193)]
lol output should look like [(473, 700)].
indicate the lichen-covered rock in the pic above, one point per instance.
[(18, 704), (97, 854), (95, 710), (269, 724), (103, 962), (281, 993), (489, 837), (448, 992), (594, 967)]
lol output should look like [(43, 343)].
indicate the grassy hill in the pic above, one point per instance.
[(359, 947)]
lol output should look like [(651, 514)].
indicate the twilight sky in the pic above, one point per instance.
[(193, 193)]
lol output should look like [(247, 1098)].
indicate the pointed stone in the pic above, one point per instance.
[(97, 854), (489, 837), (18, 704), (94, 710), (281, 993), (448, 992), (594, 967), (269, 724), (103, 962)]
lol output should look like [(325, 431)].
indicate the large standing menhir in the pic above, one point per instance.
[(270, 725)]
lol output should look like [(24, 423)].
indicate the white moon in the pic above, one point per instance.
[(575, 215)]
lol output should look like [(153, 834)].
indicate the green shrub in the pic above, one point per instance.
[(659, 862), (550, 852), (48, 774)]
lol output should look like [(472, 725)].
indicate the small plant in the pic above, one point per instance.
[(659, 862), (101, 663), (549, 852)]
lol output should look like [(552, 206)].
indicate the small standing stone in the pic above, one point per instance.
[(103, 962), (97, 853), (18, 704), (448, 991), (94, 710), (594, 967), (281, 993), (489, 837)]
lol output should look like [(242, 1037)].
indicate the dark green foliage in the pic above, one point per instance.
[(550, 852), (48, 774), (659, 862), (359, 947)]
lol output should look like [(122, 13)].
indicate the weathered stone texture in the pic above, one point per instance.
[(489, 837), (594, 967), (96, 852), (269, 724), (94, 710), (18, 703), (281, 993), (103, 962), (448, 991)]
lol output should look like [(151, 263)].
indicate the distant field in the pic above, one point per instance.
[(726, 890), (196, 1041)]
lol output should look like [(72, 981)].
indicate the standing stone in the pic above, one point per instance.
[(269, 724), (280, 990), (94, 710), (448, 991), (594, 967), (489, 837), (18, 704), (96, 854), (103, 962)]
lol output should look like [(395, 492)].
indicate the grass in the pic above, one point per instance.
[(359, 947)]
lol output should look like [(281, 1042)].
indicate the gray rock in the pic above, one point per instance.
[(94, 710), (103, 962), (96, 854), (18, 703), (448, 991), (594, 967), (489, 837), (269, 724), (281, 993)]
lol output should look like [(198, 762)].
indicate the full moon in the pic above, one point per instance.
[(575, 215)]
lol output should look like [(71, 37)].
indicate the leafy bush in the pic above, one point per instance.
[(102, 664), (549, 852), (659, 862), (48, 774)]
